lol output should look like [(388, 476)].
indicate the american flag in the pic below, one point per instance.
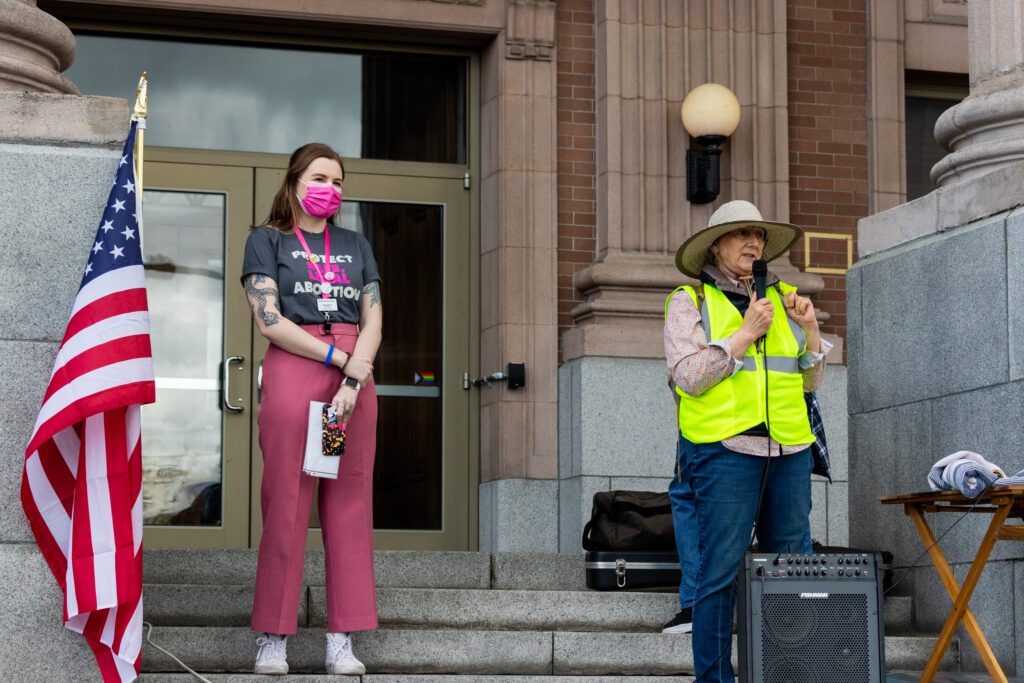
[(82, 484)]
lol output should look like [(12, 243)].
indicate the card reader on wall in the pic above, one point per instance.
[(515, 375)]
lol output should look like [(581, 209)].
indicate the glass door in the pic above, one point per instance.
[(195, 438), (424, 488)]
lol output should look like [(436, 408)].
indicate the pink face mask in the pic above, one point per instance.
[(322, 199)]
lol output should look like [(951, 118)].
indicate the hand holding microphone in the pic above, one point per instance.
[(758, 318)]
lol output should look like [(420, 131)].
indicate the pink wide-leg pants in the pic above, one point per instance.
[(346, 503)]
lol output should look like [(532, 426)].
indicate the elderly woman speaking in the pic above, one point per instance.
[(741, 365)]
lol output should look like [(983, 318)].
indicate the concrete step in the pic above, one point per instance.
[(536, 653), (512, 610), (899, 616), (408, 569), (533, 653), (394, 568)]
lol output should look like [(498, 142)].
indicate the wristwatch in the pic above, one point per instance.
[(351, 382)]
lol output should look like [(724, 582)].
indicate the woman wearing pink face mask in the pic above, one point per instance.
[(314, 291)]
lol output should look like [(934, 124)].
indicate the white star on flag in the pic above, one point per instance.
[(107, 226), (129, 186), (118, 205), (97, 247), (128, 233), (124, 160), (88, 266), (117, 251)]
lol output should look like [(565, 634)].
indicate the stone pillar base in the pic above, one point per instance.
[(47, 142), (918, 391), (67, 119), (36, 646), (519, 515), (616, 430), (34, 49)]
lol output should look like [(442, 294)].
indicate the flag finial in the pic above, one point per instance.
[(141, 97)]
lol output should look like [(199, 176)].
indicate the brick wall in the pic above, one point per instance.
[(828, 163), (577, 138)]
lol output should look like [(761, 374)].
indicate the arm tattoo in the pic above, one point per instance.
[(373, 290), (262, 293)]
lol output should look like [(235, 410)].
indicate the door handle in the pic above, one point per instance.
[(225, 383)]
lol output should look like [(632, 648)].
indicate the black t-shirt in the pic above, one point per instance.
[(280, 256)]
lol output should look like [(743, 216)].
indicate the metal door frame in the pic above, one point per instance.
[(236, 184)]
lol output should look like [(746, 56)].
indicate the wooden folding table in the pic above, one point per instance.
[(1002, 503)]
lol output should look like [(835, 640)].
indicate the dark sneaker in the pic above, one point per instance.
[(681, 623)]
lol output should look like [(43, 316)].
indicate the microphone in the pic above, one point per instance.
[(760, 277), (760, 271)]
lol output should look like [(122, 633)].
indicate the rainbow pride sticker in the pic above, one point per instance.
[(425, 379)]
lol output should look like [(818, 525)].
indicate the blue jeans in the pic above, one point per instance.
[(725, 487), (684, 522)]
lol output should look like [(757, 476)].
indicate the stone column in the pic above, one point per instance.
[(34, 49), (985, 132), (58, 154), (649, 56), (518, 468), (616, 427)]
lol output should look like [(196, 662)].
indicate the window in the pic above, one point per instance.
[(255, 98), (928, 94)]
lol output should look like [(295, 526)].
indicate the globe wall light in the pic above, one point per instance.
[(710, 113)]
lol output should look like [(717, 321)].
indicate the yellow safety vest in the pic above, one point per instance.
[(737, 403)]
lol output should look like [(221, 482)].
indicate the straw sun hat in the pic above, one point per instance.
[(695, 251)]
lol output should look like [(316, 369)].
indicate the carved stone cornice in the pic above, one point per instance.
[(34, 49), (530, 30), (623, 313)]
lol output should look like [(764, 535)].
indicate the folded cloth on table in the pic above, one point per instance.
[(963, 471), (1015, 480)]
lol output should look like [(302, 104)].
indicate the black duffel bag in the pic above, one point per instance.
[(630, 520)]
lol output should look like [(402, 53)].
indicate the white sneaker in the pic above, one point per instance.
[(340, 659), (272, 658)]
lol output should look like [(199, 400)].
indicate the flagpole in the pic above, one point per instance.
[(139, 114)]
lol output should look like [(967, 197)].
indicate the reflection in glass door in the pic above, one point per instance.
[(407, 242), (195, 448), (185, 283)]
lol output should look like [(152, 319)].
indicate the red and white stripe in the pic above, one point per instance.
[(82, 483)]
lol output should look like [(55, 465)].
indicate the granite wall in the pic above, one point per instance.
[(51, 199), (936, 365)]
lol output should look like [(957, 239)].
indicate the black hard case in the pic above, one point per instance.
[(613, 570)]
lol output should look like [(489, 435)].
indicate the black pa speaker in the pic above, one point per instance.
[(811, 618)]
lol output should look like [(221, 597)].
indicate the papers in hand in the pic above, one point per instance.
[(316, 464)]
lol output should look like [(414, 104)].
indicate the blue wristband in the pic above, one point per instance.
[(330, 352)]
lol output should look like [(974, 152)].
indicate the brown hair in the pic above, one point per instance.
[(285, 209)]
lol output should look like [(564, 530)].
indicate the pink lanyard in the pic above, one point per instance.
[(325, 275)]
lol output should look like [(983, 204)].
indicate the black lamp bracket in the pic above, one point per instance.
[(702, 169)]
